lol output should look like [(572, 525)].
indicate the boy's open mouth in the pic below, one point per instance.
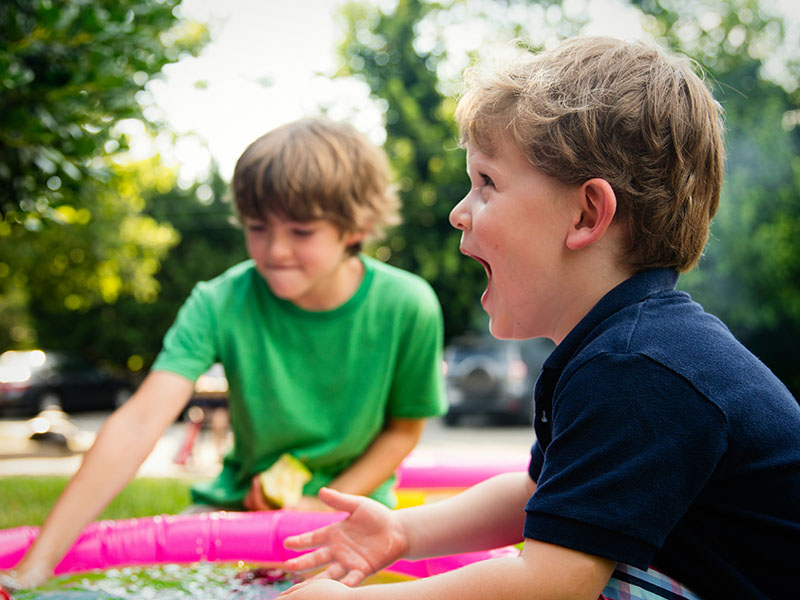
[(486, 268)]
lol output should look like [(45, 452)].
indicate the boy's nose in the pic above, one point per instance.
[(277, 247), (460, 216)]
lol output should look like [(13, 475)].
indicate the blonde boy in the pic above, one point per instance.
[(660, 440), (331, 356)]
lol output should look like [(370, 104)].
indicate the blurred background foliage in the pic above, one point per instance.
[(98, 251)]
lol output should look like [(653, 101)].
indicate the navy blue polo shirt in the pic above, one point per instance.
[(662, 441)]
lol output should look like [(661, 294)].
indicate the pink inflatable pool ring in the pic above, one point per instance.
[(258, 536), (223, 537), (425, 469)]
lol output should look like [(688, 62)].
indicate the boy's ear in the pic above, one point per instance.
[(598, 205), (354, 237)]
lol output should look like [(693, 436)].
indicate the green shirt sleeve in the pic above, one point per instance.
[(189, 346), (418, 386)]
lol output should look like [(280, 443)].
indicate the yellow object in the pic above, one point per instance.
[(282, 484), (407, 497)]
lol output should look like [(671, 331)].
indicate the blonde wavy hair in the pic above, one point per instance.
[(626, 112), (317, 168)]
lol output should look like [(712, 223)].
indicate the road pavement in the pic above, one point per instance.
[(21, 456)]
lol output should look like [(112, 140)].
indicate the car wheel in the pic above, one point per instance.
[(121, 396), (49, 400), (450, 419)]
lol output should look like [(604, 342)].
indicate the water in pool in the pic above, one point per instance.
[(209, 581)]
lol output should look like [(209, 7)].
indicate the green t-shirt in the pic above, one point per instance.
[(318, 385)]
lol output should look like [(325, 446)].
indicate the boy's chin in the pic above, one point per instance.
[(503, 331), (499, 331)]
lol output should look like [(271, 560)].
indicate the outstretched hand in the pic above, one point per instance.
[(369, 539), (22, 579)]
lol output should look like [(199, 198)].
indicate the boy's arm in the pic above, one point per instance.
[(373, 536), (381, 458), (488, 515), (541, 572), (124, 441)]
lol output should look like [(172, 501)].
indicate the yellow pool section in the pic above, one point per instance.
[(386, 577), (415, 496)]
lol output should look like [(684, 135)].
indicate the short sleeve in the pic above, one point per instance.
[(633, 445), (537, 461), (418, 389), (189, 347)]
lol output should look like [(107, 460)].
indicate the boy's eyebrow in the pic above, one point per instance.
[(479, 163)]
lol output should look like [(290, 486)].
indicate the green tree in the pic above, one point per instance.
[(750, 274), (210, 242), (69, 72), (129, 331), (73, 235)]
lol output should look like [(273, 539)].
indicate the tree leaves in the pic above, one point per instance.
[(72, 230)]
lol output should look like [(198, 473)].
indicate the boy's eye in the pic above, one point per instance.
[(256, 227), (486, 180), (302, 232)]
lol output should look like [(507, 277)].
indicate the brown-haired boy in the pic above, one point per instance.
[(660, 440), (331, 356)]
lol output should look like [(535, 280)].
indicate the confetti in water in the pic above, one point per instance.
[(210, 581)]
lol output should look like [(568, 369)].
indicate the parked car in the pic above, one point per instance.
[(493, 378), (35, 380), (208, 407), (211, 388)]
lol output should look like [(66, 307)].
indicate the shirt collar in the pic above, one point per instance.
[(642, 285)]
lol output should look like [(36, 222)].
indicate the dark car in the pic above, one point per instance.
[(211, 388), (493, 378), (33, 380)]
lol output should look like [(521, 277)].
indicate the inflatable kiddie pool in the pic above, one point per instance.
[(215, 537), (427, 476), (258, 537)]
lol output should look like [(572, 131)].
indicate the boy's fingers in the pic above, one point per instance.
[(353, 578), (339, 572), (310, 539), (339, 500), (255, 497), (308, 561), (9, 582), (334, 571)]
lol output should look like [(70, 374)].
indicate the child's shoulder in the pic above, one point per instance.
[(671, 330), (390, 276), (235, 277), (398, 285)]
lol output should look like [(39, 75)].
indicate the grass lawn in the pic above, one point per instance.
[(27, 500)]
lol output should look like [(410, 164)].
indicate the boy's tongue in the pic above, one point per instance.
[(488, 270)]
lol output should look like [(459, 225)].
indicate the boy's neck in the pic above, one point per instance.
[(338, 289), (594, 273)]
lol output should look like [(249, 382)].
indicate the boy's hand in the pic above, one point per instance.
[(310, 504), (368, 540), (8, 584), (317, 588), (254, 500), (23, 579)]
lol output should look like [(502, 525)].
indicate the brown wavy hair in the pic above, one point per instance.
[(626, 112), (317, 168)]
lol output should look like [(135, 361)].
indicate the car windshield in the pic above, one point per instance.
[(27, 358), (17, 367)]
